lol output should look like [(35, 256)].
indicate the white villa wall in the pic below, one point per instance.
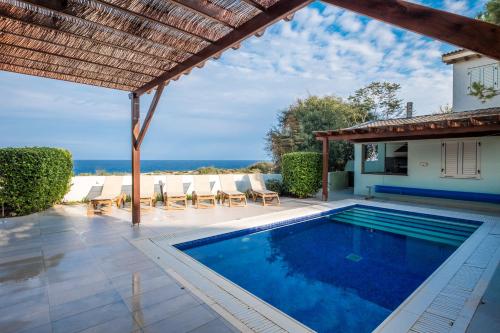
[(462, 101), (88, 187), (424, 170)]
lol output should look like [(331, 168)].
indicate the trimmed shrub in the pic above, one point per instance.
[(275, 185), (302, 173), (33, 179)]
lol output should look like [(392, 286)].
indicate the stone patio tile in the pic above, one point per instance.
[(34, 294), (183, 322), (111, 273), (144, 275), (125, 324), (16, 285), (18, 321), (90, 318), (59, 295), (143, 299), (83, 304), (46, 328), (148, 315), (217, 325)]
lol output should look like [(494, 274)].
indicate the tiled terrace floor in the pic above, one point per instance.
[(61, 271)]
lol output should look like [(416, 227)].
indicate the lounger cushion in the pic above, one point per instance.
[(233, 192), (264, 192), (175, 194), (204, 194), (104, 197)]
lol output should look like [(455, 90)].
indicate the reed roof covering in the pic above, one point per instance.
[(126, 44)]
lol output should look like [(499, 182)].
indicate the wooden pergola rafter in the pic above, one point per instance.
[(141, 45)]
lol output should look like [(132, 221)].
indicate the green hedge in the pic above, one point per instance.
[(302, 173), (33, 179)]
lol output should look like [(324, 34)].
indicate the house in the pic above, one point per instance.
[(452, 155)]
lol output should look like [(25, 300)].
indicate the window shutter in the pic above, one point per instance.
[(469, 158), (474, 76), (489, 76), (449, 158)]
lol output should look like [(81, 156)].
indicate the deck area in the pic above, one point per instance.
[(61, 271)]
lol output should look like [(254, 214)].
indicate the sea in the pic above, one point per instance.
[(111, 166)]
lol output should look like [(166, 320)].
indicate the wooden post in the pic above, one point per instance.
[(136, 161), (325, 168)]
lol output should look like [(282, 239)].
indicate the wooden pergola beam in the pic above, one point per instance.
[(414, 135), (474, 35), (136, 159), (149, 115), (207, 10), (324, 176), (251, 27)]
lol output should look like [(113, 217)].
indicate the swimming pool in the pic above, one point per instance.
[(341, 271)]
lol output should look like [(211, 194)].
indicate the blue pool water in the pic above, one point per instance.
[(340, 272)]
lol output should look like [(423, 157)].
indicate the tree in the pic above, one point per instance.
[(491, 12), (296, 125), (378, 100)]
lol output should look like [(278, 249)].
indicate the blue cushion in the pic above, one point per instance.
[(422, 192)]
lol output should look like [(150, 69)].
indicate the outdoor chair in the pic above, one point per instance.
[(202, 192), (148, 195), (259, 190), (174, 193), (230, 193), (111, 193)]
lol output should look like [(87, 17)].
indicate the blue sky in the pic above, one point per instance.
[(224, 110)]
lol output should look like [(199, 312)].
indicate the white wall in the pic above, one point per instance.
[(462, 101), (88, 187), (428, 152)]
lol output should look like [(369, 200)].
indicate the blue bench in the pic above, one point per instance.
[(422, 192)]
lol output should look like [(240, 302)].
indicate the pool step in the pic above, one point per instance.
[(447, 223), (411, 232), (431, 226)]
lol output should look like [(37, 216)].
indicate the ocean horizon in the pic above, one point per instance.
[(95, 166)]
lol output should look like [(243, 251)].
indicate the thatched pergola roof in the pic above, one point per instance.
[(119, 44)]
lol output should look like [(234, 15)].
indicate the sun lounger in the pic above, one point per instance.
[(174, 193), (259, 190), (202, 192), (111, 193), (148, 195), (230, 193)]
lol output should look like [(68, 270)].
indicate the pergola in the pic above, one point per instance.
[(141, 45), (436, 126)]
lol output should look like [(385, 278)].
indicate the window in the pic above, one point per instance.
[(385, 158), (486, 75), (461, 159)]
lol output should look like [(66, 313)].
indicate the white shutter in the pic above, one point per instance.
[(469, 158), (449, 159), (461, 159), (489, 73)]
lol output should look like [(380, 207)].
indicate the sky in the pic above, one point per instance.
[(224, 110)]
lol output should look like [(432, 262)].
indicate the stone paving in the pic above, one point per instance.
[(62, 271)]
